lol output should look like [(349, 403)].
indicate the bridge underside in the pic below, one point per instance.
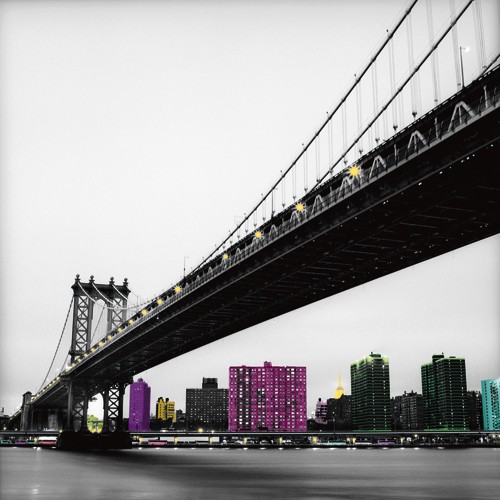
[(441, 199)]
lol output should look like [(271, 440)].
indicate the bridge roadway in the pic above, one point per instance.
[(432, 188)]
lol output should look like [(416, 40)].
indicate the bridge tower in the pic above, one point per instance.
[(84, 296), (115, 298)]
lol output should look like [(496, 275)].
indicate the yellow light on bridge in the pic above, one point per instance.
[(300, 207), (225, 256), (177, 289), (58, 377), (354, 171), (130, 321), (159, 302), (120, 330), (110, 337), (101, 343), (258, 234), (144, 312), (73, 364), (93, 349)]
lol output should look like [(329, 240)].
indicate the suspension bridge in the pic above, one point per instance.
[(382, 184)]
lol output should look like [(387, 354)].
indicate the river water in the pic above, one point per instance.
[(250, 474)]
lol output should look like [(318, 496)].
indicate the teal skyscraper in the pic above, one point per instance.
[(444, 391), (371, 400), (491, 404)]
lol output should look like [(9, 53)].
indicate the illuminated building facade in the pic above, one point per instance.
[(165, 410), (371, 401), (491, 404), (267, 398), (140, 404), (206, 408), (444, 390), (340, 390)]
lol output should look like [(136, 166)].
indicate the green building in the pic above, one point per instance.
[(371, 401), (491, 404), (444, 391)]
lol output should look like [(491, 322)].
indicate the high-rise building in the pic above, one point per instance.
[(161, 409), (206, 408), (165, 410), (340, 390), (171, 411), (407, 412), (475, 408), (339, 415), (491, 404), (371, 401), (140, 403), (444, 390), (267, 398), (321, 412)]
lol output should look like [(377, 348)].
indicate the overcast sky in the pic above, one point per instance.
[(132, 135)]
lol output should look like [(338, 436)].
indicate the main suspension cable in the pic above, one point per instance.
[(58, 345)]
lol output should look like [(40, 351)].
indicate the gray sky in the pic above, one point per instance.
[(132, 135)]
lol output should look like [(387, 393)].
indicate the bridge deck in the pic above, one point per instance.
[(432, 188)]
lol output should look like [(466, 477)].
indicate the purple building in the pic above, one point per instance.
[(140, 403), (267, 398)]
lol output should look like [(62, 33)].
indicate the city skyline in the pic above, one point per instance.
[(100, 150)]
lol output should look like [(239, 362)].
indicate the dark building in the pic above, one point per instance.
[(407, 412), (338, 413), (444, 390), (475, 407), (321, 411), (371, 401), (206, 408)]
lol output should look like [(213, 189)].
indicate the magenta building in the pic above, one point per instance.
[(267, 398), (140, 405)]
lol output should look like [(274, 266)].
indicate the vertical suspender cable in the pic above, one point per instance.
[(294, 181), (360, 116), (455, 46), (434, 56), (304, 157), (375, 99), (317, 159), (414, 84), (330, 144), (344, 131), (392, 73), (479, 31), (283, 190)]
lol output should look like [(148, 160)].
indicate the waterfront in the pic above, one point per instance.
[(248, 474)]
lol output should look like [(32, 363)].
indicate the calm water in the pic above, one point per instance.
[(244, 474)]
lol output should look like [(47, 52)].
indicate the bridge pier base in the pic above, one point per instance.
[(85, 440)]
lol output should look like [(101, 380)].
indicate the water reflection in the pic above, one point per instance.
[(232, 474)]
